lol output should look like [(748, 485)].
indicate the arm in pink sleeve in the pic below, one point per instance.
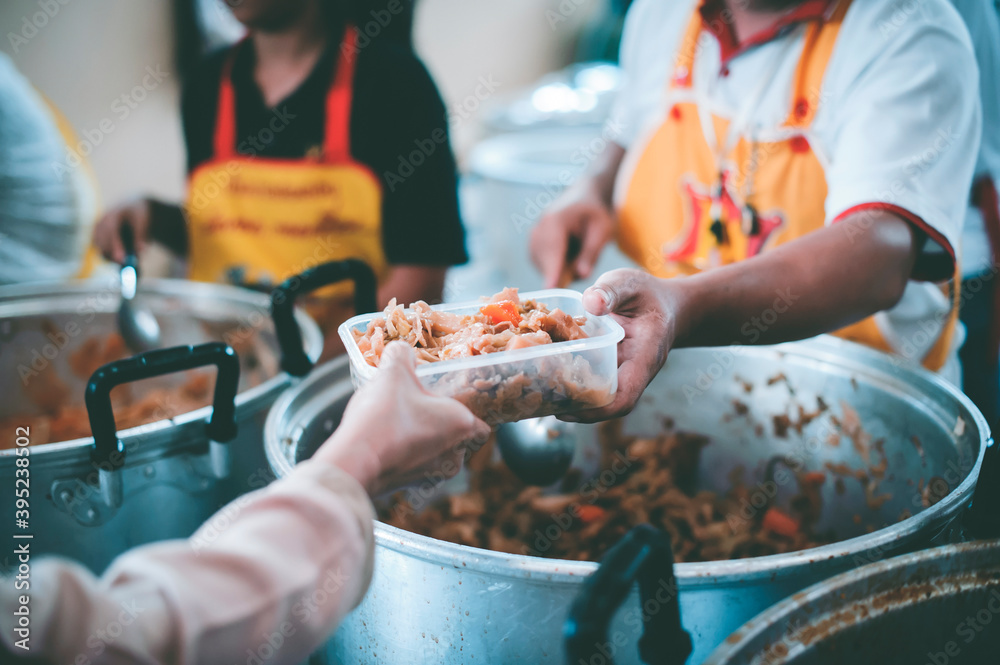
[(271, 580)]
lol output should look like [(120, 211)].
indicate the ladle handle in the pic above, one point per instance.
[(108, 452), (643, 555), (293, 357)]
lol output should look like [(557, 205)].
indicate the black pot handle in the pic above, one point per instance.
[(293, 357), (108, 453), (643, 555)]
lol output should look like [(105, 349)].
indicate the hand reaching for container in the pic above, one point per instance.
[(251, 568), (394, 430)]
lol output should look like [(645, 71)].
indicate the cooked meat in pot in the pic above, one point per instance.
[(642, 480)]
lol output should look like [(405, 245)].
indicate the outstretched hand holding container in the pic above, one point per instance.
[(509, 358)]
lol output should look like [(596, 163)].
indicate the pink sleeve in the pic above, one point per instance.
[(273, 578)]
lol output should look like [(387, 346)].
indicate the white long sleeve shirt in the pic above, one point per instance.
[(296, 557)]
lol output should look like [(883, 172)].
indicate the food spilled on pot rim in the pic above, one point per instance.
[(512, 357)]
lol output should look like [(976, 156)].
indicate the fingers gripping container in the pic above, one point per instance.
[(504, 386)]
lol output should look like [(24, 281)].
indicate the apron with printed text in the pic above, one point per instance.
[(256, 221), (667, 221)]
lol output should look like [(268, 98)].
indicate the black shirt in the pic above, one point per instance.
[(398, 129)]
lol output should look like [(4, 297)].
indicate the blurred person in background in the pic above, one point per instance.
[(45, 215), (295, 558), (794, 167), (980, 305), (310, 141)]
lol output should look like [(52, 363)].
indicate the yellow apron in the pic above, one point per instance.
[(677, 218), (255, 221)]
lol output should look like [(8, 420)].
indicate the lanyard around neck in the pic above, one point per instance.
[(336, 139), (741, 122)]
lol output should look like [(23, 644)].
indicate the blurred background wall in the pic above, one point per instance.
[(515, 41), (86, 55), (114, 69)]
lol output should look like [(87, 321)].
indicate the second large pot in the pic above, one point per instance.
[(168, 486), (938, 606), (437, 602)]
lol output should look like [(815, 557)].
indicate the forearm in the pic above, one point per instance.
[(168, 226), (815, 284), (290, 560)]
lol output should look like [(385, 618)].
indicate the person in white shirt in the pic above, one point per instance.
[(296, 557), (793, 167)]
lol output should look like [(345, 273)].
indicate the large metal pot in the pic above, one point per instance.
[(538, 142), (580, 95), (436, 602), (937, 606), (168, 484)]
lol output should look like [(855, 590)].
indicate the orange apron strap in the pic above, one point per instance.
[(337, 139), (684, 62), (938, 354), (224, 140), (820, 39)]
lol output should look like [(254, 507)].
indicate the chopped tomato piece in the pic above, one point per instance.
[(590, 513), (780, 523), (505, 310)]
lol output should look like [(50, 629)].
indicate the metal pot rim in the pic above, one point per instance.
[(502, 157), (736, 572), (246, 401), (779, 613)]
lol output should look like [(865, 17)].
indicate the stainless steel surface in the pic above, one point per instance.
[(936, 606), (436, 602), (538, 450), (169, 486)]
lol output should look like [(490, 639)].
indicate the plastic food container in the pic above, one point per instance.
[(562, 377)]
